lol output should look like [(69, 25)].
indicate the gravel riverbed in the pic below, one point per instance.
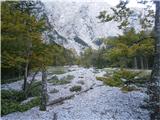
[(99, 103)]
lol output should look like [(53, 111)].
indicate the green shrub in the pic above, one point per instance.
[(5, 81), (35, 89), (13, 95), (110, 81), (8, 106), (59, 82), (11, 99), (53, 78), (29, 105), (75, 88), (128, 88), (57, 70), (113, 82), (65, 80), (142, 78), (100, 78), (115, 79), (128, 75)]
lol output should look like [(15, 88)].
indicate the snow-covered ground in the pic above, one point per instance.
[(100, 103)]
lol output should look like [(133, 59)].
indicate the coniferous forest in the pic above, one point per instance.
[(44, 69)]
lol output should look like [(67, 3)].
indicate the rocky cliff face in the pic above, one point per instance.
[(75, 25)]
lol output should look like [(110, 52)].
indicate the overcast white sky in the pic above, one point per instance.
[(132, 3)]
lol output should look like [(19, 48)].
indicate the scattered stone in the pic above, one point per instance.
[(81, 82), (54, 91), (94, 102), (75, 88)]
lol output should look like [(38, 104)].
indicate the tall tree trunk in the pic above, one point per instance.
[(154, 86), (142, 64), (25, 75), (19, 72), (29, 86), (146, 60), (44, 90), (135, 63)]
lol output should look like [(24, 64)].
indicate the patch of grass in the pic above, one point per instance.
[(12, 95), (35, 89), (65, 80), (128, 88), (109, 71), (9, 106), (125, 74), (113, 82), (127, 80), (110, 81), (29, 105), (100, 78), (54, 91), (53, 78), (75, 88), (5, 81), (11, 101), (59, 82), (116, 79), (57, 70), (142, 78)]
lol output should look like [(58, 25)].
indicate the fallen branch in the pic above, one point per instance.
[(61, 99)]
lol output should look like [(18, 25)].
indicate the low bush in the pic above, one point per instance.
[(8, 106), (5, 81), (75, 88), (11, 99), (128, 88), (111, 82), (59, 82), (100, 78), (57, 70), (13, 95), (119, 78), (29, 105), (125, 74), (65, 80), (35, 89), (53, 78)]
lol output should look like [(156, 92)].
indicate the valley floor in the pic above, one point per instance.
[(99, 103)]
